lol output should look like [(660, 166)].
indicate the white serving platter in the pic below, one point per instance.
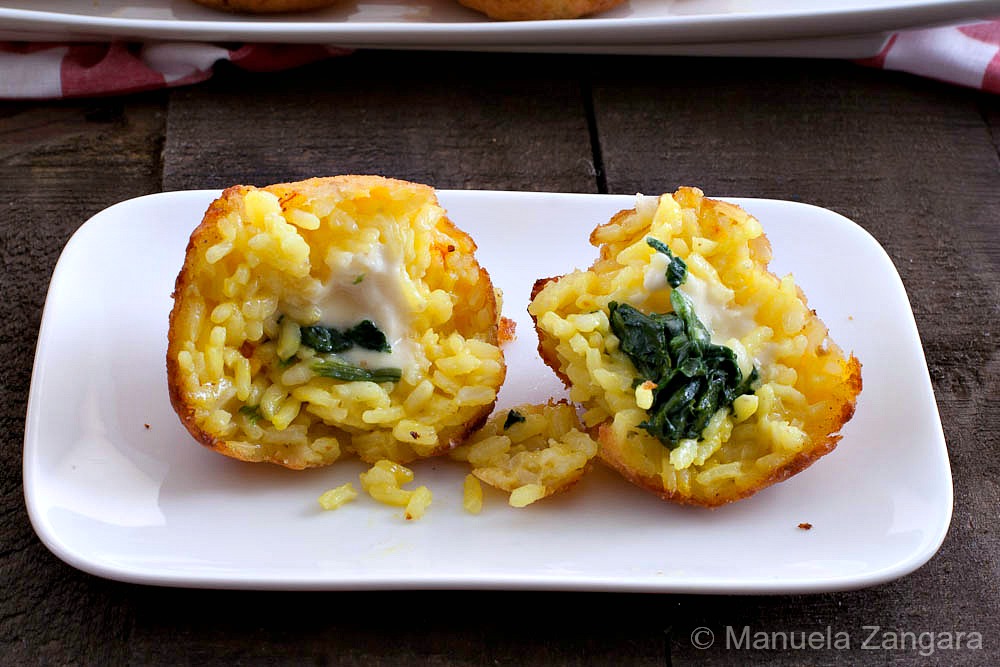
[(820, 28), (116, 487)]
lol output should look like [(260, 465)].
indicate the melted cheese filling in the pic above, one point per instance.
[(728, 325), (713, 304), (369, 286)]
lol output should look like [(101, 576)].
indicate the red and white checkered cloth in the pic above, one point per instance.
[(966, 55), (32, 70)]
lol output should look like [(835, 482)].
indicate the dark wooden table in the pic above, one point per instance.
[(915, 162)]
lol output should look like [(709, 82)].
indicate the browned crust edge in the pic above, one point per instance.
[(852, 382), (266, 6), (794, 466), (548, 356), (539, 10), (206, 234)]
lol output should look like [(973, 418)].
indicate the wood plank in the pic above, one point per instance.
[(515, 123), (60, 163), (990, 107), (911, 161)]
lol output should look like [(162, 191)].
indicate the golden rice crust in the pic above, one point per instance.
[(807, 386), (531, 451), (537, 10), (261, 267), (266, 6)]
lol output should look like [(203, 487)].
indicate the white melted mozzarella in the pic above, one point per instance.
[(370, 286), (655, 277), (713, 304)]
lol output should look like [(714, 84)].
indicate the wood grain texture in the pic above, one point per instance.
[(516, 124), (59, 164), (914, 162), (911, 161)]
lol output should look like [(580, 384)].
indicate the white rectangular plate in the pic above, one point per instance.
[(115, 486), (723, 27)]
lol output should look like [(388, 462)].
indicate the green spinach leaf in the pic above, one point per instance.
[(513, 417), (326, 340), (251, 412), (677, 269), (365, 334), (694, 378), (341, 370)]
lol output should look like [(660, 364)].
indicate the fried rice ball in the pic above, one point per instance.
[(332, 316), (530, 451), (706, 377), (266, 6), (537, 10)]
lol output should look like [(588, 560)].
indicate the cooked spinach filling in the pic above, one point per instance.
[(341, 370), (677, 269), (328, 339), (693, 377), (513, 417), (251, 412)]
